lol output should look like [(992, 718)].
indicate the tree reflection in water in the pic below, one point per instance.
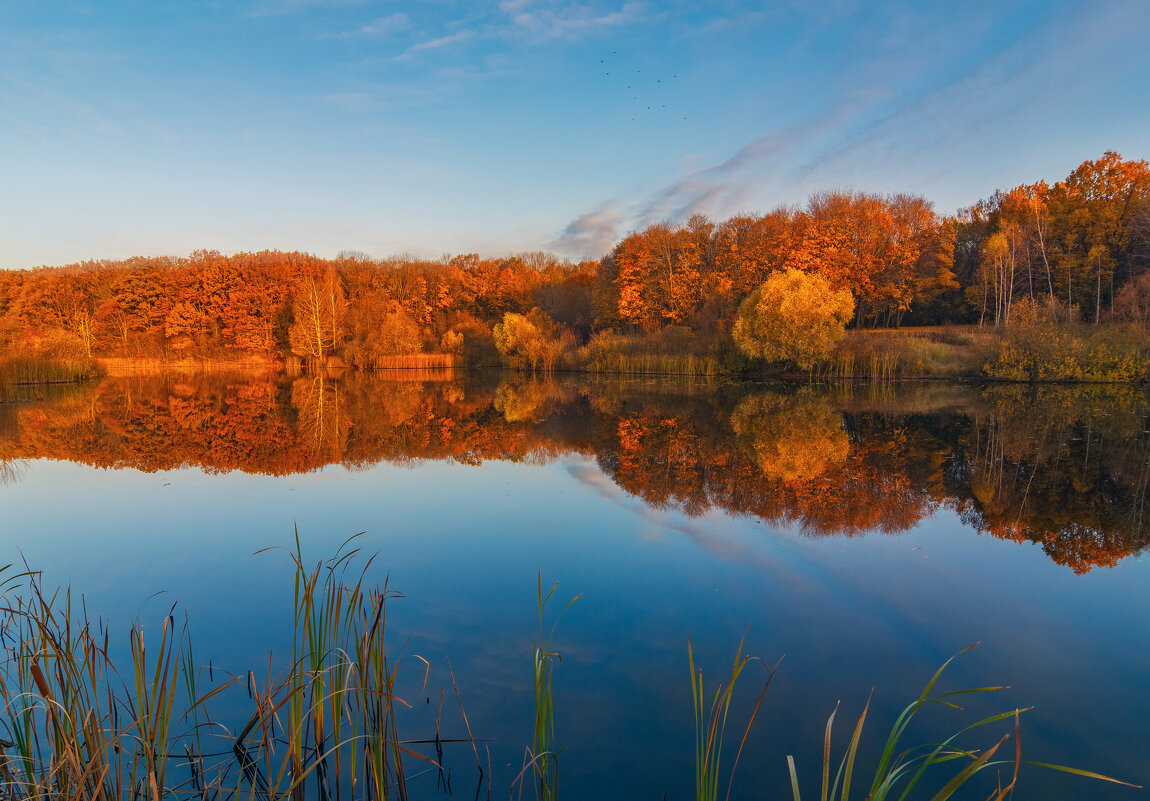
[(1066, 468), (791, 438)]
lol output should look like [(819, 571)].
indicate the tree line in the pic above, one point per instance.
[(1080, 247)]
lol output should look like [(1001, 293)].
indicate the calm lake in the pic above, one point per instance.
[(864, 534)]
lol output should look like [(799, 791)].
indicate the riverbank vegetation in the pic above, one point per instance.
[(22, 370), (1077, 250), (85, 719)]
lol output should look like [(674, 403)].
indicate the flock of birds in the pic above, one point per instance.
[(636, 87)]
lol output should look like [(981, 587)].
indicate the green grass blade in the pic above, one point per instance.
[(1079, 772), (964, 775), (796, 795), (853, 749)]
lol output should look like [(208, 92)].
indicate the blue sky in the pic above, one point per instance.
[(155, 127)]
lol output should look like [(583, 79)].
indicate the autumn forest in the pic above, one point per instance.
[(666, 432), (1078, 250)]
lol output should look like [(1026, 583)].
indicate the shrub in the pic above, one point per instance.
[(531, 342), (793, 317), (1036, 346)]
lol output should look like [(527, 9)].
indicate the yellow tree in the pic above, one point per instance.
[(794, 316), (1094, 217), (525, 342), (996, 272), (320, 311)]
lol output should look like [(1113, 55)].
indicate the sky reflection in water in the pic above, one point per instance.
[(593, 494)]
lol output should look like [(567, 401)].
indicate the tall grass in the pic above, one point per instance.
[(900, 769), (686, 364), (339, 695), (324, 727), (711, 724), (672, 351), (45, 370), (408, 361), (76, 729), (903, 353), (542, 758), (1038, 345), (246, 365)]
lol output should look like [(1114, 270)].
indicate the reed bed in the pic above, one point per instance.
[(887, 355), (900, 769), (16, 370), (72, 728), (417, 374), (684, 364), (416, 361), (77, 729), (124, 366)]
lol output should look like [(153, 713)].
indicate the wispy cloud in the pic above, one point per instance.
[(726, 187), (271, 8), (591, 234), (703, 189), (570, 21), (386, 25), (899, 116), (1042, 76), (442, 41), (376, 29)]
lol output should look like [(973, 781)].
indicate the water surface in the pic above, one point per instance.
[(865, 532)]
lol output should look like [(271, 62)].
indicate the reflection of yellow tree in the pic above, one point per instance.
[(1065, 468), (453, 392), (791, 438), (323, 415), (523, 400)]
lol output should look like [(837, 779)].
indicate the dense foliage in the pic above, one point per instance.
[(1079, 248), (795, 317)]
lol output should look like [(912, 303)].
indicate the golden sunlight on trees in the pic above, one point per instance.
[(320, 309), (793, 317), (1035, 345), (388, 334), (793, 438), (1076, 242), (525, 341), (518, 340), (664, 299)]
